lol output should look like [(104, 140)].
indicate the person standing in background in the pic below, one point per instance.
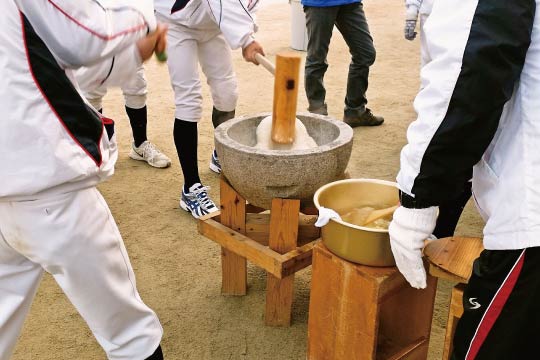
[(348, 16)]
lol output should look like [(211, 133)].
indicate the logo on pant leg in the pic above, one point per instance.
[(474, 305)]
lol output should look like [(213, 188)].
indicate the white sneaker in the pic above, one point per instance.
[(196, 201), (151, 154)]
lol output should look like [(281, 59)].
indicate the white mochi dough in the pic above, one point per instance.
[(302, 139)]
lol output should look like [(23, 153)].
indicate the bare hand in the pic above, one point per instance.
[(155, 41), (249, 52)]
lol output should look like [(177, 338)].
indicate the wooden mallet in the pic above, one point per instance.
[(287, 74)]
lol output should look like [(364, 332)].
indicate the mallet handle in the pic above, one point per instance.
[(265, 63)]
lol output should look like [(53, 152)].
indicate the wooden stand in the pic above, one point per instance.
[(360, 312), (452, 259), (280, 242)]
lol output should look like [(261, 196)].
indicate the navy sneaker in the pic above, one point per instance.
[(196, 201), (215, 166)]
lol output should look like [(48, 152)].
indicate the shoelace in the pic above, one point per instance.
[(202, 194), (150, 151)]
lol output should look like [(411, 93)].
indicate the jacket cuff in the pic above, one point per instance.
[(411, 202)]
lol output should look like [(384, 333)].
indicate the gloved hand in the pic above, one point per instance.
[(411, 16), (408, 230)]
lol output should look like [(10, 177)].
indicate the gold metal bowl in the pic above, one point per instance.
[(358, 244)]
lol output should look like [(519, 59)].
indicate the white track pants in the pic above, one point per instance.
[(74, 237), (187, 48), (134, 91)]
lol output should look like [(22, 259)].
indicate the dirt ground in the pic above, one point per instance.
[(178, 271)]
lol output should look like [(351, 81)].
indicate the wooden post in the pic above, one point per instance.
[(284, 217), (234, 267), (285, 98), (454, 314)]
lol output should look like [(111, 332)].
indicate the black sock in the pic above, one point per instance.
[(219, 117), (185, 139), (157, 355), (138, 119)]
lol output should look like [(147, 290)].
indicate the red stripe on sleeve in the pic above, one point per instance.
[(100, 36)]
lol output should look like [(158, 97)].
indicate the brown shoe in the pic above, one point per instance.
[(365, 119)]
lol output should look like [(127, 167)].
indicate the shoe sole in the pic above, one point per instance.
[(215, 169), (184, 206), (133, 155), (357, 124)]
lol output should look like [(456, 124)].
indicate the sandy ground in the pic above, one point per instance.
[(178, 271)]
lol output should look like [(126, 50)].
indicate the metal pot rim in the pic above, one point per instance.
[(346, 181)]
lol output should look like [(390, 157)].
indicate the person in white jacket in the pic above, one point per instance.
[(54, 151), (202, 33), (449, 212), (479, 107)]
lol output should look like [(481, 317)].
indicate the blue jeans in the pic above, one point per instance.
[(351, 22)]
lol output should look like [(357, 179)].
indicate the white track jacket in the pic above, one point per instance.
[(233, 17), (51, 141), (480, 106)]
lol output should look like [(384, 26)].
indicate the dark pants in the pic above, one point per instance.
[(501, 320), (351, 22)]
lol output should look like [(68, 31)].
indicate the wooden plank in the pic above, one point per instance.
[(233, 216), (454, 255), (297, 259), (215, 215), (284, 218), (283, 237), (243, 246), (343, 310), (250, 208), (406, 315), (441, 274), (258, 228), (410, 351)]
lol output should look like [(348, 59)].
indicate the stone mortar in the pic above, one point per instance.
[(261, 175)]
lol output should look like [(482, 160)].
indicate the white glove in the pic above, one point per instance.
[(325, 215), (411, 16), (408, 230)]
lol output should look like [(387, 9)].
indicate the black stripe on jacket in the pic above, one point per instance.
[(494, 56), (81, 122)]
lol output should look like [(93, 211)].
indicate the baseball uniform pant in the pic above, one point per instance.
[(187, 48), (74, 237), (134, 92)]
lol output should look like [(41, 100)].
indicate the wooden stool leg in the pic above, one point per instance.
[(233, 267), (454, 314), (284, 217)]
